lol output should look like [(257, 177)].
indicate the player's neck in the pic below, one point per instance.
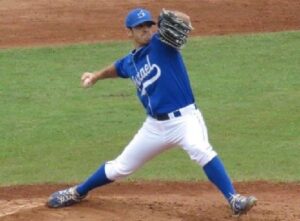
[(137, 45)]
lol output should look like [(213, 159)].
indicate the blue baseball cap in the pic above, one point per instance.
[(138, 16)]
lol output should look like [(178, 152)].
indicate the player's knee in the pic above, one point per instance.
[(201, 156), (115, 170)]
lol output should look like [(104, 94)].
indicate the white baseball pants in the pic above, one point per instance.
[(188, 131)]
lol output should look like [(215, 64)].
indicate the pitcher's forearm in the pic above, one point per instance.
[(109, 72), (88, 79)]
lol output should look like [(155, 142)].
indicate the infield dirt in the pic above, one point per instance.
[(34, 23)]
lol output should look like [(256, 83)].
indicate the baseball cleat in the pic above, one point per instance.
[(64, 198), (241, 204)]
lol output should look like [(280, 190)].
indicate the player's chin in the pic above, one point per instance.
[(146, 39)]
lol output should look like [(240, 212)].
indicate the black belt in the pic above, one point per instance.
[(162, 117)]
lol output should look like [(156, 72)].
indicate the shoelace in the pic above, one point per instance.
[(66, 195)]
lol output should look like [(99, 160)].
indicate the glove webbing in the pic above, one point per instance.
[(172, 30)]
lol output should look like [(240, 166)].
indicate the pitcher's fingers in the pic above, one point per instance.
[(85, 75)]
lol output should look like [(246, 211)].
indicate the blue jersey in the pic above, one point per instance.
[(160, 77)]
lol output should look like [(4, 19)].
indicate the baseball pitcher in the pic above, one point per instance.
[(156, 68)]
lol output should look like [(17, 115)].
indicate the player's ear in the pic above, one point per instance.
[(129, 32)]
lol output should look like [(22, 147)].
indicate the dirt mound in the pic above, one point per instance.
[(151, 201), (31, 22)]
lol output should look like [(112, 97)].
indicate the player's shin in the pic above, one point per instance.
[(217, 174), (97, 179)]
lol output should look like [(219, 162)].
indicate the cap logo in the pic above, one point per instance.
[(141, 14)]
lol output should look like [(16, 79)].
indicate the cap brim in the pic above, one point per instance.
[(142, 22)]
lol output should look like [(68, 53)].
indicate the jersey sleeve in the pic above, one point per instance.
[(120, 66)]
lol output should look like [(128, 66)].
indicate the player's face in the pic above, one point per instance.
[(141, 34)]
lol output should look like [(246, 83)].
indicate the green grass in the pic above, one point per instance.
[(246, 86)]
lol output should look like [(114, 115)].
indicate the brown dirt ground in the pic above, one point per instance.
[(31, 23), (137, 201)]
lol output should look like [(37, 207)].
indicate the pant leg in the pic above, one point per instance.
[(194, 141), (146, 144), (193, 138)]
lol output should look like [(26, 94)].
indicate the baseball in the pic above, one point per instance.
[(87, 82)]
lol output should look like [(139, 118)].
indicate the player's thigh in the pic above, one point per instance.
[(195, 139), (145, 145)]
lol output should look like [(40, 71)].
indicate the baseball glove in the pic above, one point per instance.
[(172, 29)]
